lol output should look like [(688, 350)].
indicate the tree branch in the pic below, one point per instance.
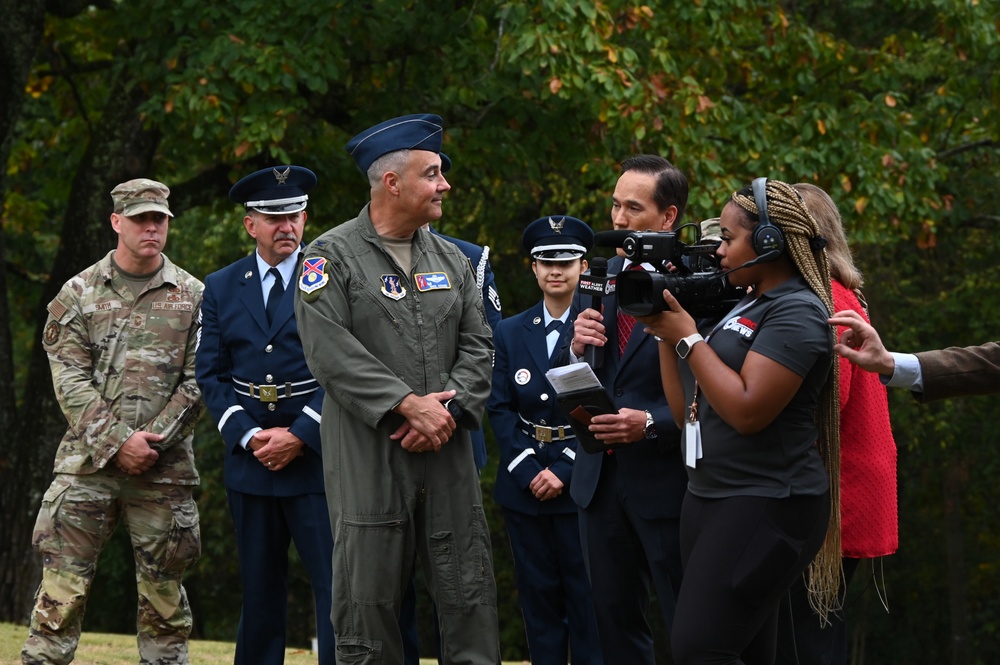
[(975, 145)]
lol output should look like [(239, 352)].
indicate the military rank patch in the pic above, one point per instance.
[(432, 281), (494, 298), (314, 276), (392, 288), (51, 334)]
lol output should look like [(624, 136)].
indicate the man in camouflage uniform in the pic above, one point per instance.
[(121, 339)]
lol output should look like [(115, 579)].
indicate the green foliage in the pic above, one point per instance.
[(891, 107)]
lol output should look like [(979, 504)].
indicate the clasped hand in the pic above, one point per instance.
[(428, 424)]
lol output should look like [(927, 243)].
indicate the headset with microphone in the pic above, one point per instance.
[(768, 239)]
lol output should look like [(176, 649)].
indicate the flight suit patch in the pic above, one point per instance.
[(392, 288), (431, 281), (313, 278)]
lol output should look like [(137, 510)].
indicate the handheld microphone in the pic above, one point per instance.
[(596, 286)]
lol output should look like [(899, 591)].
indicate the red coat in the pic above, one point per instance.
[(869, 524)]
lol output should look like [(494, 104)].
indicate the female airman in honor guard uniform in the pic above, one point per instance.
[(537, 449)]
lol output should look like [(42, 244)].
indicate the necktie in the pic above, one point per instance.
[(552, 344), (626, 322), (274, 297)]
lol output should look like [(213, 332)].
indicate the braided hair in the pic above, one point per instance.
[(805, 245)]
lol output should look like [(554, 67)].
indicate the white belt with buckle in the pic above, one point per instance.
[(272, 392), (544, 434)]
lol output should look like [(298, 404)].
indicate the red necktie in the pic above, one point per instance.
[(626, 322)]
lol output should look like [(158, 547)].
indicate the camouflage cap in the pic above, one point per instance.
[(141, 195), (711, 229)]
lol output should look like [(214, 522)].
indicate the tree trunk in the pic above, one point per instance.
[(119, 149), (20, 35), (955, 478)]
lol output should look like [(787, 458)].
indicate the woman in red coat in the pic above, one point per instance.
[(869, 525)]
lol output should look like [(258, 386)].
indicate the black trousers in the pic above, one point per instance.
[(740, 555), (801, 641)]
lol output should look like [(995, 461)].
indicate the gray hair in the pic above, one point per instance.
[(390, 161)]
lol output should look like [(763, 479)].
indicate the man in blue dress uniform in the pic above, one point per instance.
[(537, 453), (479, 258), (267, 405)]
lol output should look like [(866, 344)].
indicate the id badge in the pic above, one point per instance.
[(692, 443)]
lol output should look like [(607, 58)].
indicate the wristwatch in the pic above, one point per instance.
[(455, 409), (649, 431), (687, 343)]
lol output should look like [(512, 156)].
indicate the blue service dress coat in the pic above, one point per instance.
[(238, 344), (522, 393), (269, 508), (479, 257)]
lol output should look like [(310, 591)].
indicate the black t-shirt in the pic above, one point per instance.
[(788, 325)]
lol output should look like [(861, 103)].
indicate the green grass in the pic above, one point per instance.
[(109, 649)]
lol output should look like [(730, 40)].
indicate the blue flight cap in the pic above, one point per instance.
[(279, 190), (420, 131), (557, 238)]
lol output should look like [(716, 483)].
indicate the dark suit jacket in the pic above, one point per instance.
[(236, 341), (654, 467), (953, 372), (521, 351)]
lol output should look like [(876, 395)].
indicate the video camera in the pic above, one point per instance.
[(696, 280)]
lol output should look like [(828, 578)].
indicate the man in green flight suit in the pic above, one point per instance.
[(393, 328)]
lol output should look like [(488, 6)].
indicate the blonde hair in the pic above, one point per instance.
[(826, 214), (803, 243)]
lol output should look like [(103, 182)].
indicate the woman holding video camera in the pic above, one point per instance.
[(757, 400)]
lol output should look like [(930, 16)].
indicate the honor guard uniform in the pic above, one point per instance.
[(267, 407), (537, 451)]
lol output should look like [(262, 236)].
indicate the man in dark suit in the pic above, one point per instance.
[(629, 497), (255, 382), (931, 375)]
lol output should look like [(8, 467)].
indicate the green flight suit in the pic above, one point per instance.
[(372, 335)]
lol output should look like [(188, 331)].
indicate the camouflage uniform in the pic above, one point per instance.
[(120, 365)]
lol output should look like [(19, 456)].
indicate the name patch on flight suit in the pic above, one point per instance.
[(391, 288), (314, 277), (431, 281)]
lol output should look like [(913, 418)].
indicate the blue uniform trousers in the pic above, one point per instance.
[(265, 526), (552, 584)]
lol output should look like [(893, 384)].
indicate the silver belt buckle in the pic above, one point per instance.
[(543, 434), (268, 393)]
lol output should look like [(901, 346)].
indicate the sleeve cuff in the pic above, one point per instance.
[(907, 373), (247, 436)]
